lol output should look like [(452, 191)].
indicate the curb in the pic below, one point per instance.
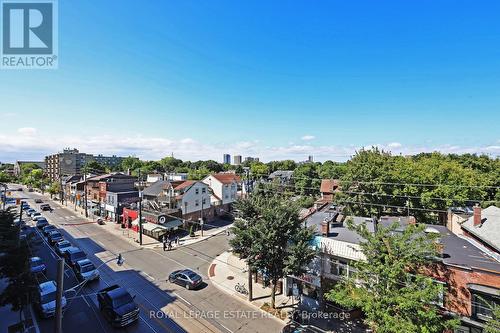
[(211, 269)]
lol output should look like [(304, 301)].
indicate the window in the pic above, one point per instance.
[(204, 201), (339, 267), (197, 191), (204, 190), (197, 203), (482, 306)]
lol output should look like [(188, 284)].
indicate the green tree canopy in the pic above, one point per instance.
[(388, 286), (270, 235)]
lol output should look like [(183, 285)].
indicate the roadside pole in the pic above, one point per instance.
[(85, 192), (140, 207), (60, 288), (20, 222), (201, 215)]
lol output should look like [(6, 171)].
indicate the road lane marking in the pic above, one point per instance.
[(148, 276), (179, 296), (226, 328)]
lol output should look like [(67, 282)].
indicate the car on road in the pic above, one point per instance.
[(37, 265), (38, 201), (74, 254), (186, 278), (62, 246), (45, 299), (54, 237), (48, 229), (46, 207), (85, 270), (117, 306), (41, 223), (35, 216)]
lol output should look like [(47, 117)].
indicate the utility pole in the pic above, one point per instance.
[(201, 215), (19, 226), (85, 192), (59, 295), (140, 207)]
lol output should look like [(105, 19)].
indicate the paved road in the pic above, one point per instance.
[(144, 274)]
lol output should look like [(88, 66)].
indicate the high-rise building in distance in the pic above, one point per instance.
[(226, 159)]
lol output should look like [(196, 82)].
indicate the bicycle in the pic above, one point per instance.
[(240, 287)]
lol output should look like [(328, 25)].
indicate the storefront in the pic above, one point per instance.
[(110, 212), (308, 288)]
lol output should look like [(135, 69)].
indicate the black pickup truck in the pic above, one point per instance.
[(118, 306)]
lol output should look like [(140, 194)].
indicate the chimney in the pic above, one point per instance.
[(324, 228), (375, 224), (477, 215)]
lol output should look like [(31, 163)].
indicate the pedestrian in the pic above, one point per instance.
[(227, 232), (169, 245), (164, 242), (177, 240)]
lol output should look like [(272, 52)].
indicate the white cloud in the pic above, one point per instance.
[(188, 141), (33, 145), (394, 145), (29, 131), (308, 137)]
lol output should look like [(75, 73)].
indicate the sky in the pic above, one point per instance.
[(271, 79)]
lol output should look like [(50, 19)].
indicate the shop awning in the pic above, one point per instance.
[(172, 224), (153, 227)]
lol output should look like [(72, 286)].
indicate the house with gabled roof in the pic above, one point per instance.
[(224, 187)]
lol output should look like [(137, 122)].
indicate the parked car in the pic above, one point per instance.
[(186, 278), (62, 246), (74, 254), (35, 216), (25, 205), (45, 207), (45, 299), (48, 229), (54, 237), (30, 211), (117, 306), (38, 201), (85, 270), (37, 265), (42, 223)]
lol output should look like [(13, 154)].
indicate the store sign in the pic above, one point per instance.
[(311, 279), (110, 208)]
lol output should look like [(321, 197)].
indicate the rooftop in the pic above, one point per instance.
[(458, 251), (227, 178), (157, 188), (329, 185), (489, 229)]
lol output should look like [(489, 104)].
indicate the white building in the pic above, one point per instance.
[(224, 187), (192, 197)]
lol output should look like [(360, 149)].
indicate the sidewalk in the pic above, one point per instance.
[(227, 270), (132, 236)]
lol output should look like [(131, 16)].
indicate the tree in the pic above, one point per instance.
[(5, 178), (14, 266), (54, 188), (272, 238), (389, 286), (306, 179), (170, 163), (94, 167), (131, 163), (332, 170), (259, 169), (493, 325)]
